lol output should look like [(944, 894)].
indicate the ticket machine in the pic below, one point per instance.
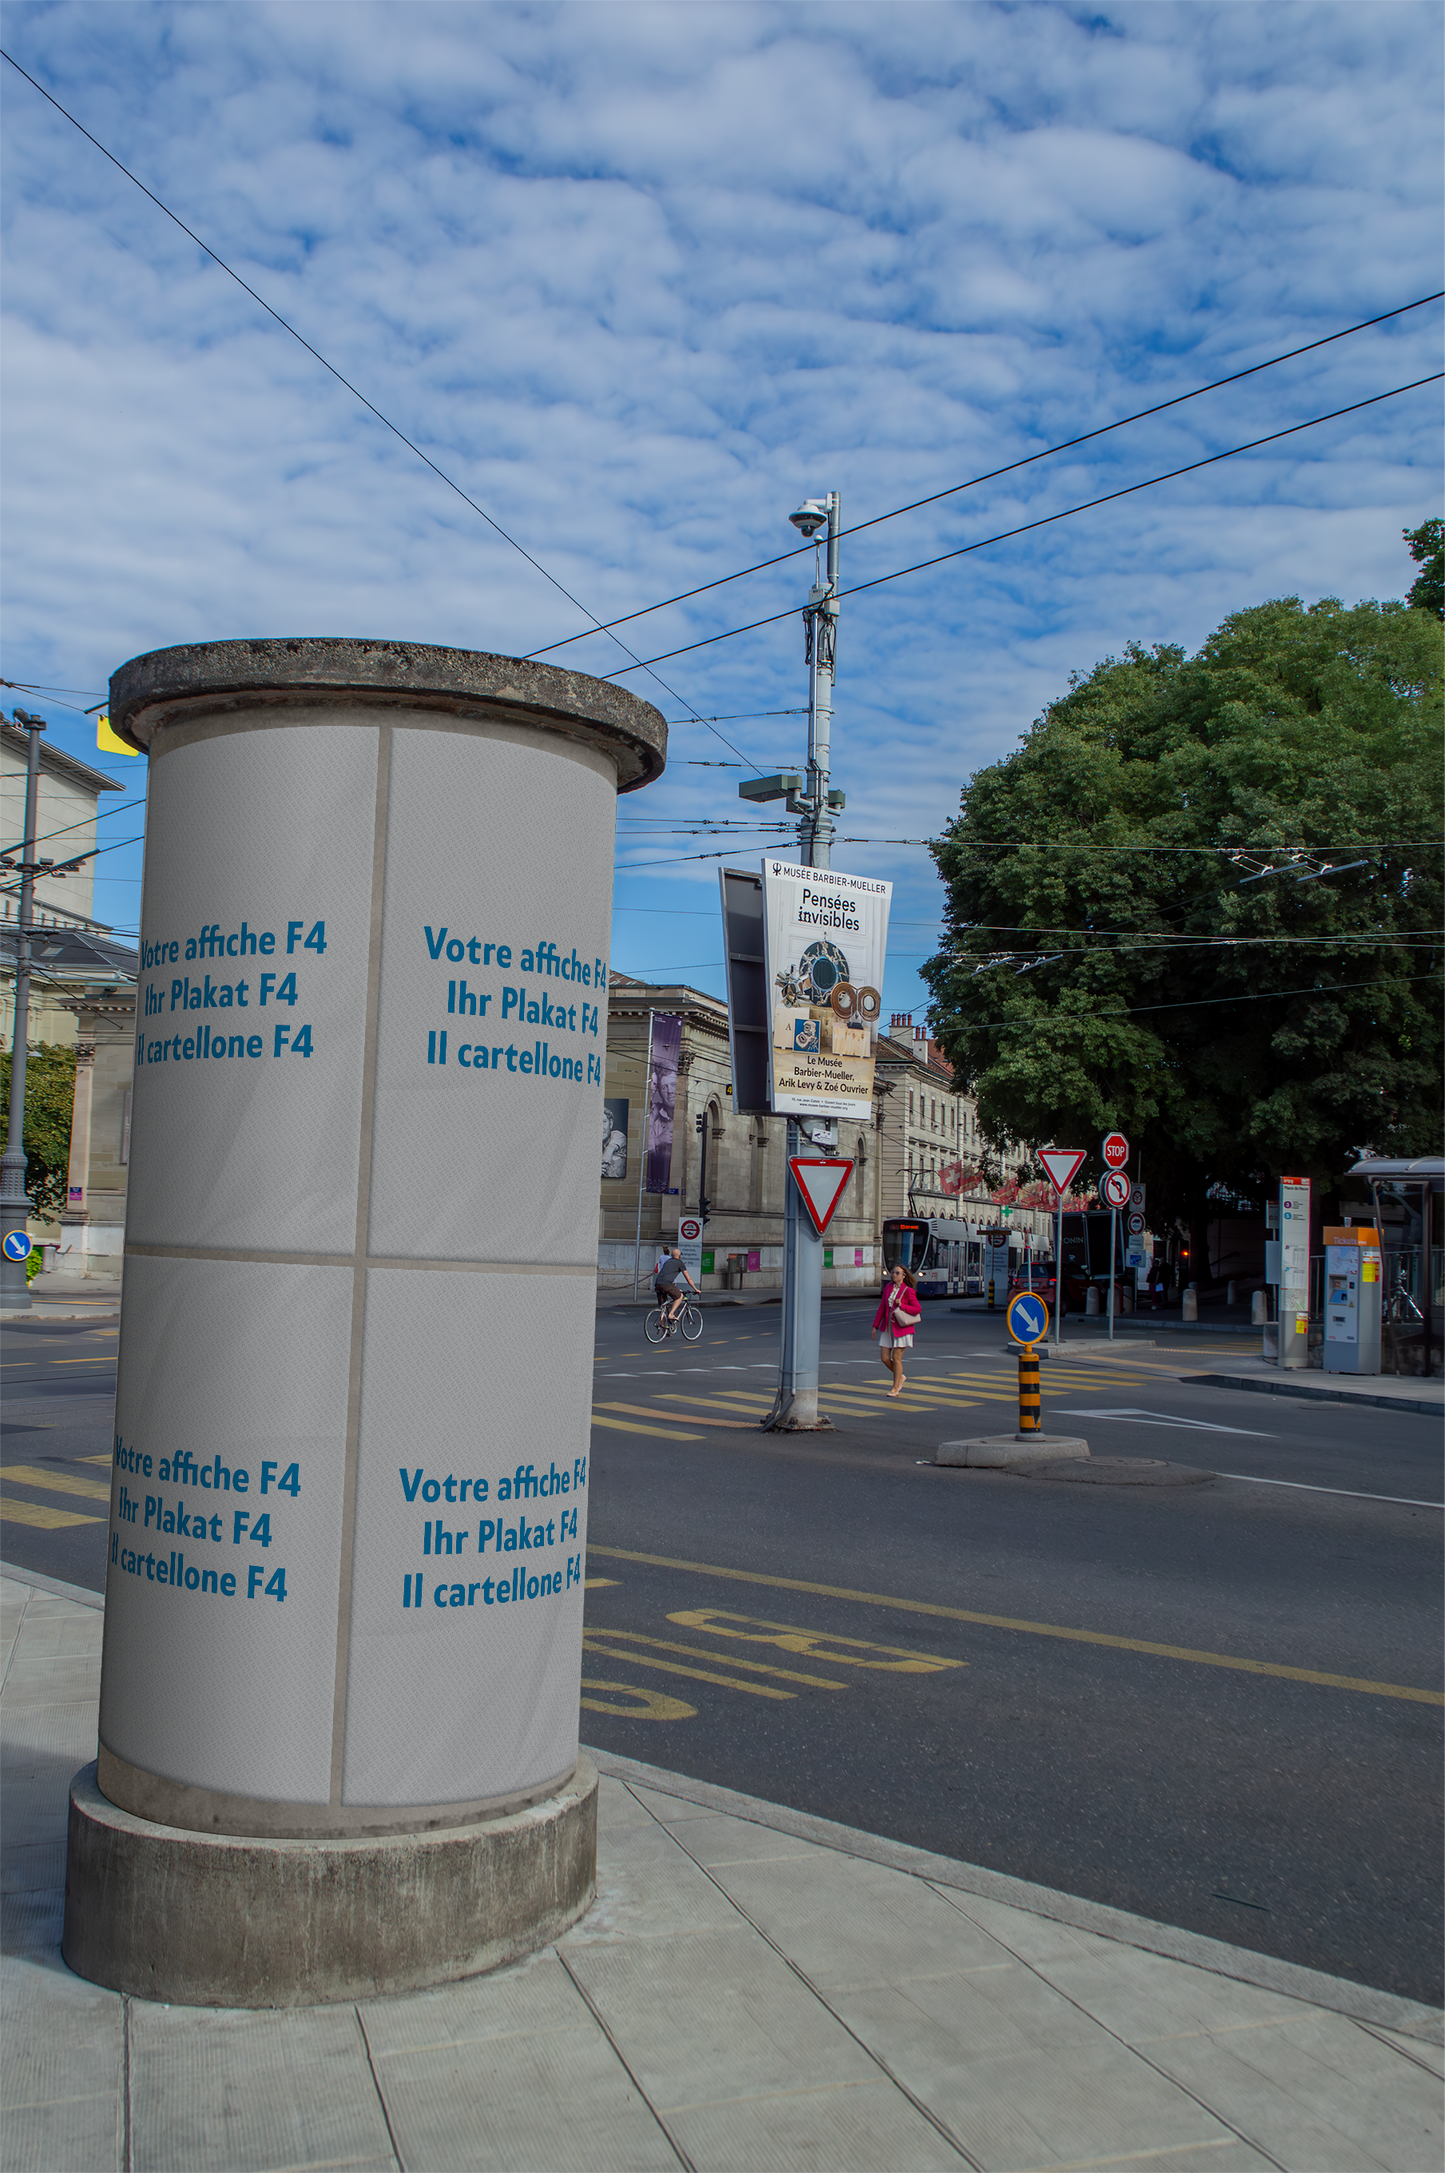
[(1352, 1294)]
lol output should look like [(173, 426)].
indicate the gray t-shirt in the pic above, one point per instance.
[(669, 1274)]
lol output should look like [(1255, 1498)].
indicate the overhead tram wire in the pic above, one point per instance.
[(369, 405), (1011, 468), (1045, 521)]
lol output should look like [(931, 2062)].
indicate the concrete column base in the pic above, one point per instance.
[(996, 1450), (209, 1920)]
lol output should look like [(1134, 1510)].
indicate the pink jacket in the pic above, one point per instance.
[(905, 1304)]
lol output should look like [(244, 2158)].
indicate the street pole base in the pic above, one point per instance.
[(798, 1415)]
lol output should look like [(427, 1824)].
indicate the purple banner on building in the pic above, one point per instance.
[(661, 1102)]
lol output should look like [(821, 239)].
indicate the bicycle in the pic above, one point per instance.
[(659, 1324)]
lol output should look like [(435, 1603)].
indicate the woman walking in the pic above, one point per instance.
[(898, 1314)]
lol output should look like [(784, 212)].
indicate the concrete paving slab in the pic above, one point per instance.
[(1430, 2057), (716, 1841), (1307, 2115), (847, 1923), (863, 2124), (511, 2072), (233, 2090), (61, 2070), (713, 2018)]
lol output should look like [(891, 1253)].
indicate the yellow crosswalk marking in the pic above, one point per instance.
[(37, 1513), (631, 1426), (56, 1482), (678, 1667), (95, 1459), (644, 1410)]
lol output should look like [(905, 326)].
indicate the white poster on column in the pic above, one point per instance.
[(467, 1571), (230, 1419)]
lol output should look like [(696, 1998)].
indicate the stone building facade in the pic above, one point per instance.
[(82, 993), (927, 1127), (737, 1161)]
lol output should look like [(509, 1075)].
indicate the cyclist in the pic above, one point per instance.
[(671, 1272)]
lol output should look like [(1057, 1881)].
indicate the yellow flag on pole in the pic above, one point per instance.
[(106, 740)]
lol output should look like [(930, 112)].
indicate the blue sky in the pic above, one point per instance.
[(640, 278)]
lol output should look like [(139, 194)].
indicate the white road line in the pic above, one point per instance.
[(1402, 1501), (1132, 1416)]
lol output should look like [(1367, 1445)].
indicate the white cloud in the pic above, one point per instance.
[(639, 277)]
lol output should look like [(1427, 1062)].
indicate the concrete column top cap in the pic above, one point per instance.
[(207, 678)]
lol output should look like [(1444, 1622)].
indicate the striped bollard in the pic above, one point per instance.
[(1030, 1408)]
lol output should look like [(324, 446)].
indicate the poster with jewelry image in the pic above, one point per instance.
[(825, 939)]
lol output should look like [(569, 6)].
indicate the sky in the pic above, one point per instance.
[(639, 278)]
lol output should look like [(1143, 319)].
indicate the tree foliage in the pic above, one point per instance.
[(1427, 548), (1106, 962), (49, 1103)]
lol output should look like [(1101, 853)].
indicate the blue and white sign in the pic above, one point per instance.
[(1027, 1317), (17, 1244)]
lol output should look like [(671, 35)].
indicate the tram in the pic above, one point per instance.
[(944, 1255)]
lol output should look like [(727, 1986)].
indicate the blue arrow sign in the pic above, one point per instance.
[(17, 1244), (1028, 1316)]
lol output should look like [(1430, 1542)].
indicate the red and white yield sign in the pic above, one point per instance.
[(822, 1182), (1115, 1150), (1063, 1165)]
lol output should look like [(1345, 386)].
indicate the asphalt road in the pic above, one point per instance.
[(972, 1639), (1217, 1704)]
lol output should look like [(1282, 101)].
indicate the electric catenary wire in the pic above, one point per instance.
[(1046, 520), (992, 475), (369, 405)]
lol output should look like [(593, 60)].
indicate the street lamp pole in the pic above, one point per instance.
[(797, 1401), (14, 1205)]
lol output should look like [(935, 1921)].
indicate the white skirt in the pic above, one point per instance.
[(887, 1342)]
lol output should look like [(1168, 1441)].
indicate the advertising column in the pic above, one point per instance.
[(347, 1535)]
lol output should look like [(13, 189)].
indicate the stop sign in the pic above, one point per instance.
[(1115, 1150)]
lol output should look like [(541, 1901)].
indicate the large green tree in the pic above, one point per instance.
[(1427, 548), (1106, 959), (49, 1105)]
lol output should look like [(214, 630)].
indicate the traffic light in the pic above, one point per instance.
[(704, 1207)]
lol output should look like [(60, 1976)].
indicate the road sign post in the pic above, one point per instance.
[(1063, 1165), (1115, 1193)]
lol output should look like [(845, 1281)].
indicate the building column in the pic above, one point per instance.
[(71, 1261)]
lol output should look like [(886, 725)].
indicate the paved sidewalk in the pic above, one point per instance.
[(753, 1989), (83, 1299), (1378, 1391)]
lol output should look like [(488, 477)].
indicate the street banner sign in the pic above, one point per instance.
[(1115, 1150), (1063, 1165), (1115, 1189), (1027, 1316), (664, 1051), (825, 940), (822, 1182), (950, 1179)]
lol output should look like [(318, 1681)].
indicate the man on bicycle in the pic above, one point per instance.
[(670, 1273)]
